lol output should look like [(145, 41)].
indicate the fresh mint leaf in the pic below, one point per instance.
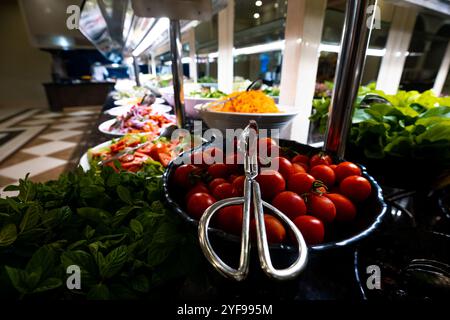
[(136, 226), (31, 217), (18, 279), (124, 194), (99, 292), (8, 234), (113, 262)]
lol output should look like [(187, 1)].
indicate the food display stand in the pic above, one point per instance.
[(386, 237)]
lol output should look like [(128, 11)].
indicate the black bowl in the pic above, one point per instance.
[(340, 235), (392, 252)]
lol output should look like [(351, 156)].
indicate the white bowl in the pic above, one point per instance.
[(189, 104), (235, 120)]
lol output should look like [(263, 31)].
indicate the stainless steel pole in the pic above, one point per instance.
[(177, 71), (136, 71), (355, 39)]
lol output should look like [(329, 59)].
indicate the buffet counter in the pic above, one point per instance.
[(61, 95)]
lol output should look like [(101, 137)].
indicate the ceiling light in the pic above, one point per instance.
[(258, 3), (256, 15), (155, 32)]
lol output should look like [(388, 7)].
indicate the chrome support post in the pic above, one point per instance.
[(355, 39), (136, 71), (177, 71)]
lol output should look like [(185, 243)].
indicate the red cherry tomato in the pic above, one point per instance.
[(223, 191), (356, 188), (198, 203), (284, 166), (300, 158), (183, 175), (290, 203), (312, 229), (300, 167), (320, 158), (271, 183), (230, 218), (346, 169), (232, 163), (218, 170), (215, 182), (238, 185), (300, 183), (333, 166), (276, 233), (213, 155), (200, 187), (321, 207), (345, 209), (323, 173), (197, 159)]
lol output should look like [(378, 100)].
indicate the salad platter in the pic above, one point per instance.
[(138, 119), (122, 110)]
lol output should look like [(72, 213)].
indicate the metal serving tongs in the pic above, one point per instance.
[(252, 197)]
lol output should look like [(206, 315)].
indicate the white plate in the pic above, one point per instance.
[(118, 111), (132, 101), (104, 128), (84, 160)]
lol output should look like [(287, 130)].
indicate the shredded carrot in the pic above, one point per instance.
[(254, 101)]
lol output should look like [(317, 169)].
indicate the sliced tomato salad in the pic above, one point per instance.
[(133, 160)]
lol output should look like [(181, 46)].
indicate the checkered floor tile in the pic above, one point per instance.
[(40, 143)]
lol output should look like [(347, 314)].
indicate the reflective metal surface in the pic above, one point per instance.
[(354, 43), (176, 50)]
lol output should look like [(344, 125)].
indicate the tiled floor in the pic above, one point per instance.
[(40, 143)]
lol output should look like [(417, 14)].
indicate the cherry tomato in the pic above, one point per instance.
[(213, 155), (200, 187), (323, 173), (232, 162), (320, 158), (276, 233), (321, 207), (345, 209), (312, 229), (267, 147), (271, 183), (333, 166), (218, 170), (223, 191), (356, 188), (238, 185), (290, 203), (300, 167), (182, 175), (197, 159), (215, 182), (284, 166), (300, 158), (230, 219), (346, 169), (300, 183), (267, 142), (198, 203)]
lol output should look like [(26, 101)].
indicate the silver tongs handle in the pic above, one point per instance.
[(252, 191)]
